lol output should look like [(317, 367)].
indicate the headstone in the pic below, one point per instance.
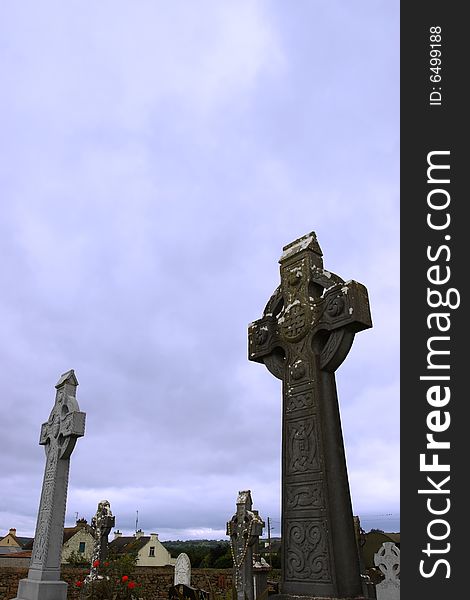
[(183, 570), (58, 435), (305, 333), (388, 561), (260, 577), (101, 523), (244, 529), (260, 571)]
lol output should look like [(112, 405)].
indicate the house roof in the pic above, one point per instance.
[(71, 531), (20, 540), (23, 541), (128, 544), (26, 543)]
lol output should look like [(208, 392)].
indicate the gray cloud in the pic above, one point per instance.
[(154, 168)]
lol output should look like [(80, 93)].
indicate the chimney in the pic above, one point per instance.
[(154, 537), (138, 534), (12, 531), (117, 534), (80, 522)]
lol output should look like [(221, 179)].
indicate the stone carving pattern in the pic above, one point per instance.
[(309, 495), (307, 551), (41, 540), (302, 457), (299, 399), (294, 322)]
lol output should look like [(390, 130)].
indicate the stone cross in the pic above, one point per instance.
[(388, 561), (244, 529), (305, 333), (183, 570), (58, 436), (101, 524)]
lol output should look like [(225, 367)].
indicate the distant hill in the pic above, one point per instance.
[(203, 553)]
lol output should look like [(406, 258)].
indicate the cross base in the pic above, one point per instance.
[(30, 589)]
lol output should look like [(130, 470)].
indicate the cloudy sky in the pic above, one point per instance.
[(155, 158)]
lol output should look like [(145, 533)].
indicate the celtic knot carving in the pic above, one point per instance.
[(261, 335), (296, 400), (335, 306), (294, 322), (305, 495), (302, 456)]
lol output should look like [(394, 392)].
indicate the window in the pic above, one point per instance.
[(81, 547), (152, 551)]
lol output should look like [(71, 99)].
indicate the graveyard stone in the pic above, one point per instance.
[(260, 578), (388, 561), (101, 523), (182, 570), (305, 333), (58, 435), (244, 529)]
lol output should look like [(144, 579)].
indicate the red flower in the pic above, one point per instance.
[(79, 584), (106, 564), (124, 578), (131, 585)]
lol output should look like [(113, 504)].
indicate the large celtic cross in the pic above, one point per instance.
[(58, 436), (305, 333)]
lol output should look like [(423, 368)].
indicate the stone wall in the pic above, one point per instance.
[(155, 581), (12, 560)]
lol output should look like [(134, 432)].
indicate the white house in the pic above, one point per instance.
[(78, 540), (150, 551)]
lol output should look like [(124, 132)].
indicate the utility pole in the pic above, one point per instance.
[(136, 519), (269, 540)]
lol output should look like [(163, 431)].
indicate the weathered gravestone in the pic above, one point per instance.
[(260, 575), (182, 570), (58, 435), (388, 561), (101, 525), (305, 333), (244, 529)]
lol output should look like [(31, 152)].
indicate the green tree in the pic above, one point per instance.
[(77, 559)]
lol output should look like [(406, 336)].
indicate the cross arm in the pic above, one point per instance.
[(346, 311), (264, 345), (346, 305)]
